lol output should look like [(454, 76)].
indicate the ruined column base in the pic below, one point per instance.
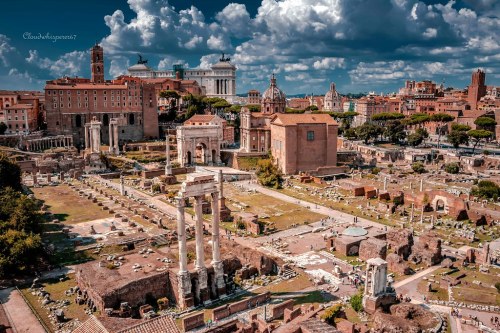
[(220, 285), (202, 291), (186, 299), (169, 180), (371, 304)]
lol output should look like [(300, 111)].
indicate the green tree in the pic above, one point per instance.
[(441, 119), (386, 116), (253, 108), (486, 123), (394, 130), (460, 127), (312, 108), (331, 313), (419, 136), (452, 168), (368, 131), (3, 128), (10, 173), (350, 134), (418, 167), (457, 138), (417, 119), (345, 119), (486, 189), (479, 135), (356, 302), (268, 174)]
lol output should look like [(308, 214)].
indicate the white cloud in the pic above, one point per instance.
[(168, 62), (70, 64), (329, 63), (430, 33), (295, 67), (6, 50), (208, 60), (235, 19), (118, 66)]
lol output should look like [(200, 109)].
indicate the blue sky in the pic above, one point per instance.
[(361, 45)]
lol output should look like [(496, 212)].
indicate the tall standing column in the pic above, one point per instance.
[(185, 297), (219, 285), (87, 145), (202, 293), (168, 166), (200, 254), (111, 144), (115, 138)]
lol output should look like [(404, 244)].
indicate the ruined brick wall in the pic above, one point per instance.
[(136, 291), (427, 249), (279, 310), (372, 248), (193, 321), (399, 242)]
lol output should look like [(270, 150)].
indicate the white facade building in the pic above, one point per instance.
[(218, 81)]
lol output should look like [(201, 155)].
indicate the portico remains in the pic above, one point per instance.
[(198, 186)]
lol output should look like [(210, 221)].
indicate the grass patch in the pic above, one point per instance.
[(67, 205), (281, 214), (57, 292)]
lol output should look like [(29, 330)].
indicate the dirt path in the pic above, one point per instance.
[(19, 313)]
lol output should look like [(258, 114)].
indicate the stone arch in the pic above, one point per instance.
[(189, 158), (440, 205), (204, 152), (131, 119)]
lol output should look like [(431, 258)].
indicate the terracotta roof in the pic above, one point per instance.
[(162, 324), (91, 325), (200, 118), (295, 119)]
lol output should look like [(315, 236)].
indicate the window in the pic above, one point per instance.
[(310, 135)]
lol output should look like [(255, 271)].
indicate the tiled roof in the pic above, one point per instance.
[(162, 324), (200, 118), (91, 325), (295, 119)]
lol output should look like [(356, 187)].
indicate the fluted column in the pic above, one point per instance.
[(181, 235), (200, 254), (215, 227)]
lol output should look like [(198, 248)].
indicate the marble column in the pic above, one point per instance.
[(116, 146), (185, 298), (168, 166), (122, 185), (87, 143), (220, 286), (110, 132), (421, 185), (202, 293), (200, 254)]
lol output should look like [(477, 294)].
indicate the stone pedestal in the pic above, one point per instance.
[(169, 180), (202, 292), (371, 304), (186, 299), (220, 285)]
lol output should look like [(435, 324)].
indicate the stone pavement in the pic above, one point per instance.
[(19, 313)]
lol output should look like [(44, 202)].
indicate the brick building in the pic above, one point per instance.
[(21, 110), (477, 88), (72, 102), (303, 142), (253, 97)]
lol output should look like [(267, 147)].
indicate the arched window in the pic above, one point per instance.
[(131, 119), (78, 120), (105, 120)]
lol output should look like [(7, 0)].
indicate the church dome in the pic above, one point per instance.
[(274, 93), (139, 67), (332, 93)]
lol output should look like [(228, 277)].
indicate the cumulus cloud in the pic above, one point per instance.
[(329, 63), (70, 64)]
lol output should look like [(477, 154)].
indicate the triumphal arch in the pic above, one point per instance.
[(199, 142)]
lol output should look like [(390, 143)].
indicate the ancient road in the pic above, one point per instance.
[(19, 313)]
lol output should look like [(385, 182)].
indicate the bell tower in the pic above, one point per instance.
[(97, 64)]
